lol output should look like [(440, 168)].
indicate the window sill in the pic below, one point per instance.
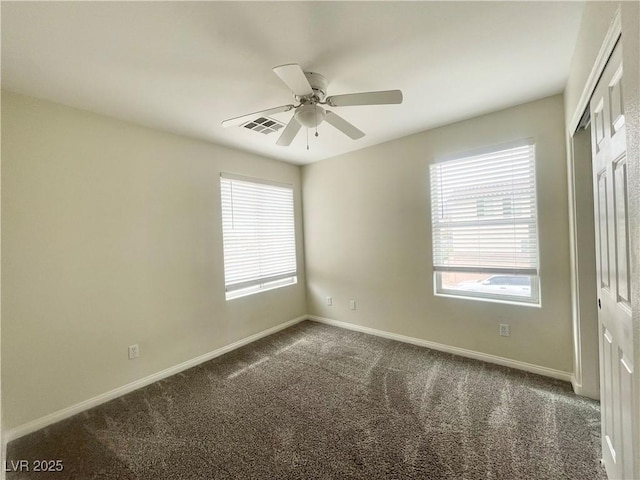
[(265, 287), (504, 301)]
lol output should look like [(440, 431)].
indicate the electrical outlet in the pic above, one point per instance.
[(352, 304), (133, 351), (329, 301), (504, 329)]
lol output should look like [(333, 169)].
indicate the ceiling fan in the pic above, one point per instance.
[(310, 90)]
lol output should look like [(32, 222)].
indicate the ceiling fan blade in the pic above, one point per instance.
[(250, 116), (386, 97), (289, 132), (293, 76), (344, 126)]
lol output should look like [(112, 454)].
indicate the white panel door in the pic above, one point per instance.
[(614, 292)]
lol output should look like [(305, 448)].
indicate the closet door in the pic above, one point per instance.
[(614, 282)]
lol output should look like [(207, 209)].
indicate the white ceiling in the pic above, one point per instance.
[(186, 66)]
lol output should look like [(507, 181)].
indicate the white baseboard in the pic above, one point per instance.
[(577, 387), (463, 352), (54, 417), (580, 389)]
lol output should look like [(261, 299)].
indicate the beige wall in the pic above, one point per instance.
[(368, 238), (111, 236)]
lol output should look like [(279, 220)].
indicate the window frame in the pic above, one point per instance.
[(534, 298), (257, 284)]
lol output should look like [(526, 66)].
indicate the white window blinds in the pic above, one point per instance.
[(258, 234), (484, 213)]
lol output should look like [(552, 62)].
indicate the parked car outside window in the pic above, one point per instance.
[(518, 285)]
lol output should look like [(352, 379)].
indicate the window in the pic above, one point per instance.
[(258, 232), (485, 235)]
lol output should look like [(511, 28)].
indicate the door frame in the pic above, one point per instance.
[(585, 378)]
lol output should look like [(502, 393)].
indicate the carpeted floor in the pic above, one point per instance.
[(318, 402)]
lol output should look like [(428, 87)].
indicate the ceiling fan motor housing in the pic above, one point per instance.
[(319, 85)]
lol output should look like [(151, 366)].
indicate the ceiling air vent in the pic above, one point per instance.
[(264, 125)]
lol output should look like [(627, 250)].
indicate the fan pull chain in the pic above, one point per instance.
[(307, 139), (316, 125)]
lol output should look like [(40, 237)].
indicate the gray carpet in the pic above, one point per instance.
[(318, 402)]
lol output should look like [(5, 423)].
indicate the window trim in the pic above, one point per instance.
[(535, 298)]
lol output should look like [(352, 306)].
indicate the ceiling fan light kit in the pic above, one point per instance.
[(309, 115), (310, 90)]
